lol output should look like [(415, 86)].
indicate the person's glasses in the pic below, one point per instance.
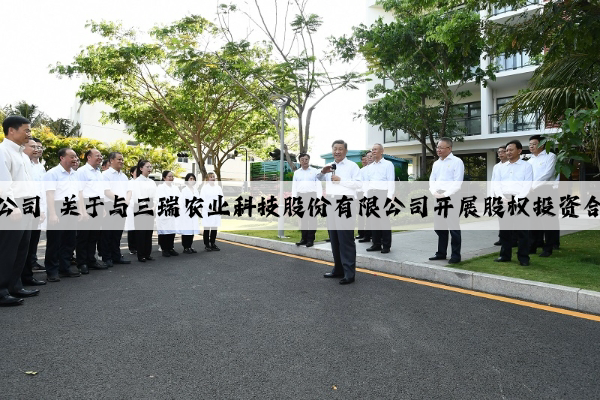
[(442, 148)]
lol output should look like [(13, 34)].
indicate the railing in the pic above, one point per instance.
[(517, 122), (466, 127), (514, 61), (502, 10)]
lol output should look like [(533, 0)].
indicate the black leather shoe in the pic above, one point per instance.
[(374, 248), (301, 243), (207, 248), (37, 267), (8, 301), (454, 261), (435, 258), (166, 254), (21, 293), (358, 237), (83, 269), (132, 252), (346, 281), (141, 259), (383, 251), (332, 275), (69, 274), (98, 266), (173, 253), (327, 240), (192, 251), (109, 263), (214, 247), (545, 254), (33, 282), (310, 244), (500, 259), (364, 240), (524, 263), (498, 243), (52, 279), (532, 251), (150, 258), (122, 261)]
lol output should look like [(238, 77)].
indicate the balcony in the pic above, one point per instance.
[(466, 127), (514, 61), (502, 10), (519, 122)]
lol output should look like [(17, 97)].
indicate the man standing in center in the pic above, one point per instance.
[(381, 177), (343, 180), (445, 180), (90, 186), (306, 185)]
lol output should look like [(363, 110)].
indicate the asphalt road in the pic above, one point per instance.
[(247, 324)]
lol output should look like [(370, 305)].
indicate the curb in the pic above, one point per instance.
[(545, 293)]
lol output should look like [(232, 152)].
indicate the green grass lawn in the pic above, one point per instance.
[(268, 230), (576, 264)]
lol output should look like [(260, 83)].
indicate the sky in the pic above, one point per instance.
[(47, 32)]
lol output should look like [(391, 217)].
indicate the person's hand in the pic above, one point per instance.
[(42, 217), (53, 220), (336, 178), (16, 215), (326, 169)]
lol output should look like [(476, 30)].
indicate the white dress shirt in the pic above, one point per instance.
[(543, 168), (305, 181), (495, 178), (515, 179), (447, 175), (350, 182), (68, 183), (364, 176), (16, 170), (381, 176), (118, 183), (91, 182), (142, 188), (37, 171)]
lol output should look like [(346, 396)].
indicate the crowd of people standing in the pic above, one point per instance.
[(78, 242)]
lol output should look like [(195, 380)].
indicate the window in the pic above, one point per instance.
[(469, 120), (519, 121)]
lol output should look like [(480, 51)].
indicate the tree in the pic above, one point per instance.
[(64, 127), (298, 71), (563, 37), (29, 111), (170, 90), (428, 54)]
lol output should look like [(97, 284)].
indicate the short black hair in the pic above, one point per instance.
[(502, 147), (190, 175), (132, 169), (105, 162), (539, 138), (340, 141), (516, 143), (139, 166), (36, 140), (15, 122), (303, 155), (113, 154), (165, 173), (88, 153), (62, 152)]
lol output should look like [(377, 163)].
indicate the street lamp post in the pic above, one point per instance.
[(281, 102)]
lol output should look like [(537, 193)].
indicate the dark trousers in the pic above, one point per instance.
[(364, 221), (14, 245), (381, 228), (112, 230), (187, 241), (512, 219), (88, 233), (447, 220), (30, 261), (209, 236), (544, 219), (131, 241), (341, 232), (166, 242), (61, 240), (308, 226), (144, 227)]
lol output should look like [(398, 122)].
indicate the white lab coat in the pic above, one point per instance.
[(129, 223), (208, 194), (166, 225), (187, 225)]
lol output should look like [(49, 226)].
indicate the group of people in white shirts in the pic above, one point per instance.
[(64, 210)]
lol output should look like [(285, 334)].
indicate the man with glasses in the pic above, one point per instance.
[(445, 180), (115, 204), (33, 149)]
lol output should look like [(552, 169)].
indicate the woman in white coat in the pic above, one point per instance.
[(129, 221), (166, 220), (144, 189), (210, 191), (188, 226)]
